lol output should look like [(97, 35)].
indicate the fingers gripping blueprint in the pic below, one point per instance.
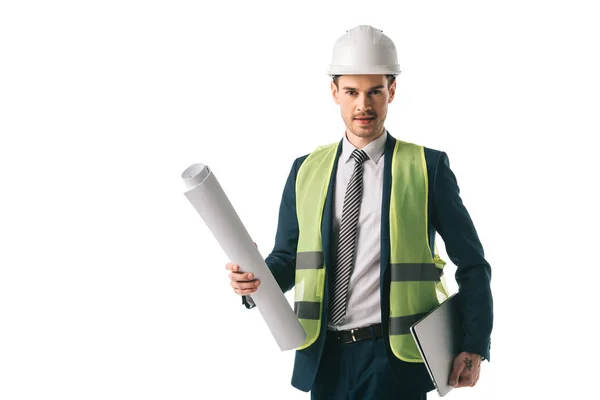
[(210, 201)]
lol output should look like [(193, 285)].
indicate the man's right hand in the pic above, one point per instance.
[(243, 283)]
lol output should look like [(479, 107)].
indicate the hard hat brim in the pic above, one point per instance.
[(393, 69)]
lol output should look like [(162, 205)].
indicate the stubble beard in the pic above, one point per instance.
[(353, 127)]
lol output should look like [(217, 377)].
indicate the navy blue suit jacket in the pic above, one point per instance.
[(447, 216)]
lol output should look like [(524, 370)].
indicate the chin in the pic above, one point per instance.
[(365, 132)]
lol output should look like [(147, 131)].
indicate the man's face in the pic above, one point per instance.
[(363, 101)]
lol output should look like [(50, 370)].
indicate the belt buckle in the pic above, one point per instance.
[(352, 333)]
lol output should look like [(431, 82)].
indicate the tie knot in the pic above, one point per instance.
[(359, 156)]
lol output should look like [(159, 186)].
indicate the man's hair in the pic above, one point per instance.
[(390, 78)]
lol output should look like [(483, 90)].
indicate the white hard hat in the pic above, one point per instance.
[(364, 50)]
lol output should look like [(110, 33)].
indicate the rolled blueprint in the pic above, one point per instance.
[(209, 200)]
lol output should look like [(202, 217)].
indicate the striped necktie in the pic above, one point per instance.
[(347, 238)]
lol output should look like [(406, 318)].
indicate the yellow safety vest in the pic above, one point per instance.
[(417, 282)]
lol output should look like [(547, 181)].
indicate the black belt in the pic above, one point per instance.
[(358, 334)]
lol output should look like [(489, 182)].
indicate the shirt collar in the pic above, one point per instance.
[(374, 150)]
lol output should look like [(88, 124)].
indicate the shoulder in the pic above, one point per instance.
[(433, 158), (298, 163), (319, 150)]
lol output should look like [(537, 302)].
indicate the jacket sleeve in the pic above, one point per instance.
[(282, 260), (473, 275)]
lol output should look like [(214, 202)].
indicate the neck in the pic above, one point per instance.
[(360, 142)]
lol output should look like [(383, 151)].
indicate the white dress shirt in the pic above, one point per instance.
[(364, 306)]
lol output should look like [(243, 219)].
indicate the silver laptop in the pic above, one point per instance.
[(438, 336)]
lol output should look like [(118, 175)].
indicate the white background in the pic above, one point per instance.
[(111, 287)]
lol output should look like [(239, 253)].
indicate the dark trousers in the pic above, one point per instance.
[(357, 371)]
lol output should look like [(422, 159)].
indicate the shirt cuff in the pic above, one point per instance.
[(248, 302)]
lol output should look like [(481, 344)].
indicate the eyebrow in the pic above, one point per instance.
[(373, 88)]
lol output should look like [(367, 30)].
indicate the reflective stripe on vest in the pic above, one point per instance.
[(417, 282)]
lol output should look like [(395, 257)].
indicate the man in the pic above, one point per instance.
[(356, 238)]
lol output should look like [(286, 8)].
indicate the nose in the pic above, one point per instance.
[(363, 103)]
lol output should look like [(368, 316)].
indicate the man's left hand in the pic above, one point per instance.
[(465, 371)]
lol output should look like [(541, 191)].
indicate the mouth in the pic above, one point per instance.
[(364, 120)]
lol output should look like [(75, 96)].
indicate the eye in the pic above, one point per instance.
[(350, 92), (376, 91)]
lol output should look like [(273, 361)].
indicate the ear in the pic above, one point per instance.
[(334, 93), (392, 91)]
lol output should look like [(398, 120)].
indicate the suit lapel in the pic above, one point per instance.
[(385, 205), (384, 280)]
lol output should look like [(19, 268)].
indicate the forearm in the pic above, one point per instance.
[(477, 307), (282, 266), (473, 274)]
